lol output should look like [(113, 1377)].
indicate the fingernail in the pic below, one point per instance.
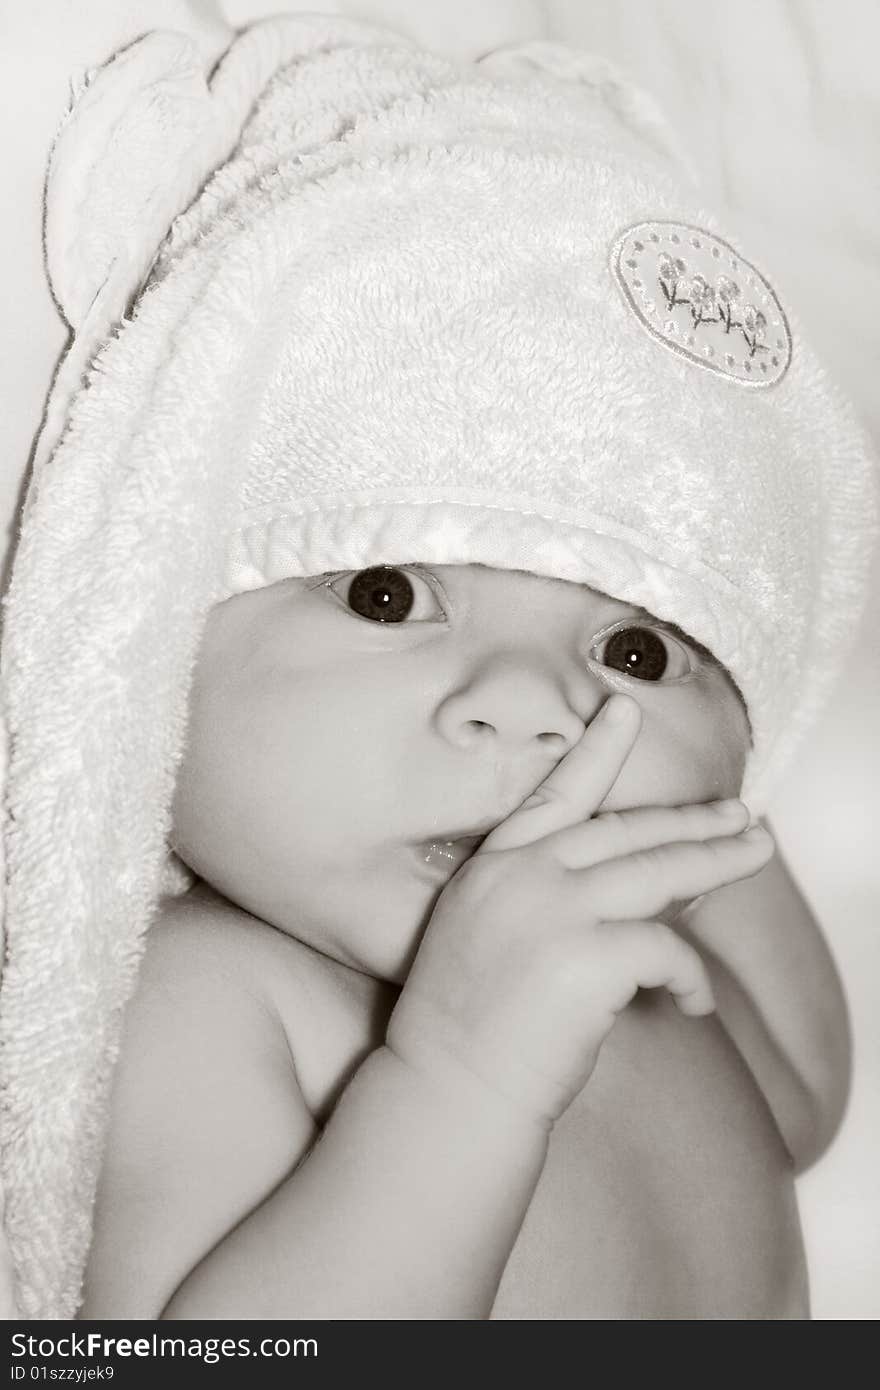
[(732, 809)]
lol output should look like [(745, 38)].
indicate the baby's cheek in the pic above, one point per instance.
[(688, 750)]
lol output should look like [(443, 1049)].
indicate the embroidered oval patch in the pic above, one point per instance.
[(699, 296)]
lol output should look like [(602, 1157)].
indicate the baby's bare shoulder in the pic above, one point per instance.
[(207, 1115), (199, 940), (321, 1017)]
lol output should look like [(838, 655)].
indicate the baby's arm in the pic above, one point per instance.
[(780, 998), (406, 1208), (409, 1203)]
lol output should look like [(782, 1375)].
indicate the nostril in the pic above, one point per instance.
[(558, 742), (479, 726)]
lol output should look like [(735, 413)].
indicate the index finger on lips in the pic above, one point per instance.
[(579, 782)]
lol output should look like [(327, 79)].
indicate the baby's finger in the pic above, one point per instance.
[(649, 955), (579, 783), (641, 885), (614, 833)]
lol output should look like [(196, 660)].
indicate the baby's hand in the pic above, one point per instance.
[(546, 933)]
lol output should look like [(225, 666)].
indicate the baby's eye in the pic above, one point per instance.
[(646, 653), (387, 594)]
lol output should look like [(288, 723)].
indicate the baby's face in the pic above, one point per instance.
[(332, 756)]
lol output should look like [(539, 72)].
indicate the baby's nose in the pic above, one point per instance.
[(510, 705)]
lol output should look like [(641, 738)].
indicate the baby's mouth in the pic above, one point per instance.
[(439, 858), (451, 854)]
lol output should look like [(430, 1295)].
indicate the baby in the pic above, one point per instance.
[(354, 795), (452, 532)]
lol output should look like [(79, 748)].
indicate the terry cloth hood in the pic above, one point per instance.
[(408, 310)]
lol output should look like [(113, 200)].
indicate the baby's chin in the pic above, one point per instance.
[(386, 956), (376, 932)]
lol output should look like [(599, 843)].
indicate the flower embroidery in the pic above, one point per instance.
[(753, 325), (711, 303), (671, 272), (702, 301), (726, 293), (696, 294)]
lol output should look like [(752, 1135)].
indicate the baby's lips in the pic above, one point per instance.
[(450, 854), (458, 845)]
